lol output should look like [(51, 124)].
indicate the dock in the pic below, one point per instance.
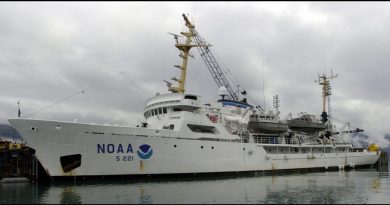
[(383, 162), (17, 162)]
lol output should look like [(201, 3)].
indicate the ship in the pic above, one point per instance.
[(182, 135)]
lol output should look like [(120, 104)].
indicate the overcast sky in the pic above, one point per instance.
[(119, 53)]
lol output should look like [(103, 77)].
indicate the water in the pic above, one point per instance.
[(351, 187)]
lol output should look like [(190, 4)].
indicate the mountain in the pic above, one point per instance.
[(7, 131)]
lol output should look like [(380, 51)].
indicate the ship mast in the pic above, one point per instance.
[(276, 104), (184, 53), (326, 92)]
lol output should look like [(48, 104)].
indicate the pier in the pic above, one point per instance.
[(383, 162), (17, 162)]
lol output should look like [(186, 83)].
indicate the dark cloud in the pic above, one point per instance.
[(120, 53)]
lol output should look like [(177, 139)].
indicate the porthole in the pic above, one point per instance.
[(34, 128), (201, 147), (212, 147), (174, 145)]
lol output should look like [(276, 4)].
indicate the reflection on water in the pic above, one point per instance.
[(18, 193), (356, 186), (144, 198), (69, 196)]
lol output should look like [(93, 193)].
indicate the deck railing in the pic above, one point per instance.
[(266, 140)]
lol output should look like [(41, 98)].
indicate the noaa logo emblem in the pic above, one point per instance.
[(145, 151)]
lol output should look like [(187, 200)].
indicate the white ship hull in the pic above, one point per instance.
[(112, 150)]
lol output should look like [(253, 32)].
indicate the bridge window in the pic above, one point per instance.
[(191, 97), (177, 109), (164, 110), (159, 111)]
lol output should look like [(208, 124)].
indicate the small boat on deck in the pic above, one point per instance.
[(268, 123), (306, 123)]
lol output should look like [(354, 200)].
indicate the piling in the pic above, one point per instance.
[(16, 161), (382, 164)]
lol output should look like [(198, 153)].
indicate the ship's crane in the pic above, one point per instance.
[(212, 64), (214, 68), (350, 131), (208, 58), (345, 125)]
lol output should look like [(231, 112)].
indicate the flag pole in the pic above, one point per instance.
[(19, 109)]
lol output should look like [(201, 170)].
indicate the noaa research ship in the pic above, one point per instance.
[(182, 135)]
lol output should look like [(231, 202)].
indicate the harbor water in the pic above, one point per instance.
[(331, 187)]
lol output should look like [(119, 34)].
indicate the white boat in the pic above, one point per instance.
[(267, 123), (306, 123), (181, 135)]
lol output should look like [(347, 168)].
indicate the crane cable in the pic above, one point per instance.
[(225, 69)]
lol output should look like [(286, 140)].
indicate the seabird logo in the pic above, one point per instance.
[(145, 151)]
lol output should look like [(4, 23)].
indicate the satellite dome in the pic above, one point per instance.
[(222, 91)]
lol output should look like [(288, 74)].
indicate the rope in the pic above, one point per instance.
[(68, 97), (88, 87)]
